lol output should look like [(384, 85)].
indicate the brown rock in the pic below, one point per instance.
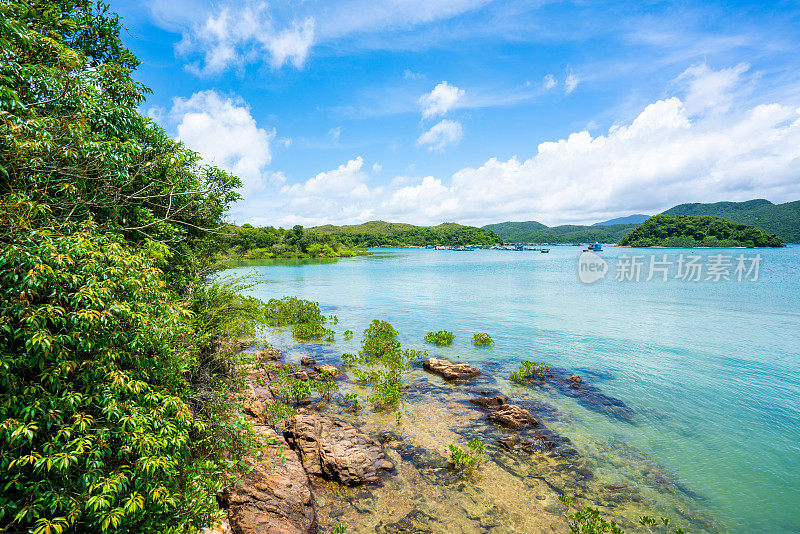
[(512, 416), (307, 360), (509, 442), (335, 449), (255, 407), (575, 381), (270, 354), (275, 497), (489, 403), (301, 375), (449, 370), (327, 368)]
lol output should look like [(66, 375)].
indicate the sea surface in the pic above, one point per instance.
[(710, 368)]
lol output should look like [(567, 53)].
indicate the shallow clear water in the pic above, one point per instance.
[(712, 370)]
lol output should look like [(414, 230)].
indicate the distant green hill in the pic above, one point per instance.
[(697, 231), (780, 219), (386, 234), (630, 219), (536, 232)]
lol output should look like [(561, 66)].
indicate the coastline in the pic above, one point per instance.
[(515, 490)]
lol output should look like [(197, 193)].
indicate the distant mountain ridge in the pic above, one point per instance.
[(536, 232), (782, 220), (630, 219)]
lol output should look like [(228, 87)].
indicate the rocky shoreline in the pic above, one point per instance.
[(328, 465)]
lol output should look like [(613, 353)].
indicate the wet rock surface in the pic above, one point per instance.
[(449, 370), (275, 497), (505, 414), (589, 395), (307, 360), (329, 369), (336, 450)]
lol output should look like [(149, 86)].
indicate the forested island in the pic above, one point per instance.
[(685, 231)]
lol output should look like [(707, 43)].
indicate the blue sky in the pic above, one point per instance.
[(476, 111)]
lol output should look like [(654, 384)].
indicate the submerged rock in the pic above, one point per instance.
[(449, 370), (512, 416), (274, 498), (336, 450), (307, 360), (490, 403), (575, 381)]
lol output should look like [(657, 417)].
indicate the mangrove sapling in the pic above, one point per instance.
[(381, 362), (467, 459), (348, 335), (589, 521), (277, 411), (298, 389), (339, 529), (352, 398), (325, 384), (303, 316), (482, 340), (529, 371), (442, 338)]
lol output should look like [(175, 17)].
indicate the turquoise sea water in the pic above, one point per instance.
[(711, 369)]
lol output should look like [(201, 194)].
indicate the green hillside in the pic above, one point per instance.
[(697, 231), (535, 232), (780, 219), (385, 234)]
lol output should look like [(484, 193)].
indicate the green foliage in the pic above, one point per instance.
[(381, 362), (590, 521), (348, 335), (482, 340), (352, 398), (780, 219), (469, 458), (383, 234), (442, 338), (117, 361), (248, 243), (697, 231), (93, 432), (303, 316), (535, 232), (529, 370), (325, 384), (339, 529)]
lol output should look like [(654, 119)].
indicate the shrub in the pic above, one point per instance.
[(381, 362), (482, 340), (441, 338), (466, 459), (93, 432), (529, 370), (303, 316)]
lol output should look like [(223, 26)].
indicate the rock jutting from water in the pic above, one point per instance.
[(336, 450), (449, 370)]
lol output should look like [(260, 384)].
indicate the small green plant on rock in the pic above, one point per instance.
[(277, 411), (442, 338), (589, 521), (469, 458), (339, 529), (482, 340), (352, 398), (325, 384)]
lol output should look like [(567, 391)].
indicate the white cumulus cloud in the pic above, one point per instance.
[(441, 134), (440, 100), (223, 131)]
